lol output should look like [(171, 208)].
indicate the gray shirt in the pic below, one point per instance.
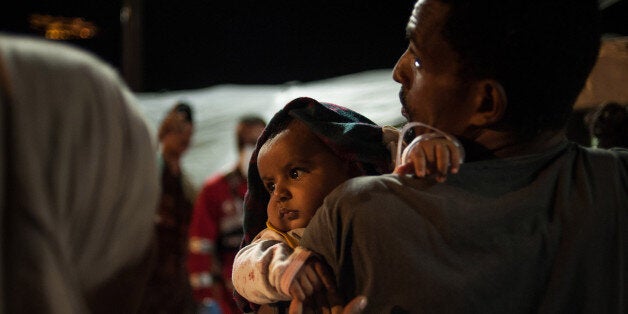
[(543, 233)]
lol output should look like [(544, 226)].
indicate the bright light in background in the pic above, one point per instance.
[(63, 28)]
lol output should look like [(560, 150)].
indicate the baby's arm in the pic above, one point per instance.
[(257, 268), (436, 156), (265, 270)]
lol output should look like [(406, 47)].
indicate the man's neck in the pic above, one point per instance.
[(493, 144)]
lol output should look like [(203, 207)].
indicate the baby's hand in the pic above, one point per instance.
[(327, 299), (309, 279), (431, 157)]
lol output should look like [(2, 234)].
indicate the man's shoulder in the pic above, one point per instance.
[(369, 183), (608, 165), (619, 152), (605, 157), (358, 190)]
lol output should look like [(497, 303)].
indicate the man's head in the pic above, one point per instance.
[(248, 129), (507, 65), (175, 131)]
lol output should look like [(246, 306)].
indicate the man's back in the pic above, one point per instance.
[(537, 233)]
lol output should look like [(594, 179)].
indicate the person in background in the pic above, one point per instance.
[(168, 289), (78, 186), (216, 227), (531, 223), (608, 125)]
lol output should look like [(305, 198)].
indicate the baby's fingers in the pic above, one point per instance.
[(325, 275), (456, 157), (296, 291), (407, 168), (313, 279), (305, 283), (296, 307), (418, 159), (442, 159)]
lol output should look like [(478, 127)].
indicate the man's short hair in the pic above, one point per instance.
[(541, 51)]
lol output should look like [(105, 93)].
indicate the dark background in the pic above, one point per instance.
[(188, 44), (270, 41)]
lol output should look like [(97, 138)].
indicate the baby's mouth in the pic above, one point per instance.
[(289, 214)]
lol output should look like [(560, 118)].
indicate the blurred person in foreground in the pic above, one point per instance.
[(532, 222), (78, 188), (168, 289), (216, 228)]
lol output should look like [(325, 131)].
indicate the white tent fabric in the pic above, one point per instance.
[(372, 93)]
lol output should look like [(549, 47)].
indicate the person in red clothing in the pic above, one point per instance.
[(216, 227)]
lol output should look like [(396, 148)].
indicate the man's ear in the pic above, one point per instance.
[(490, 103)]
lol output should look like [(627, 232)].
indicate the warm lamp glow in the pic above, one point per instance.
[(63, 28)]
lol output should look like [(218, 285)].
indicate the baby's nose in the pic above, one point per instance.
[(282, 194)]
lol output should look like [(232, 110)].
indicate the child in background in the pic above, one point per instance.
[(305, 152)]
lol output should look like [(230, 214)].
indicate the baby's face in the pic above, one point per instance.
[(298, 171)]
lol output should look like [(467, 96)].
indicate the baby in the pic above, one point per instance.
[(306, 151)]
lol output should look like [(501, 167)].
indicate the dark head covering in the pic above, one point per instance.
[(347, 133), (350, 135)]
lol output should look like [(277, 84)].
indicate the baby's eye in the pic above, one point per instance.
[(295, 173), (417, 63), (270, 187)]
